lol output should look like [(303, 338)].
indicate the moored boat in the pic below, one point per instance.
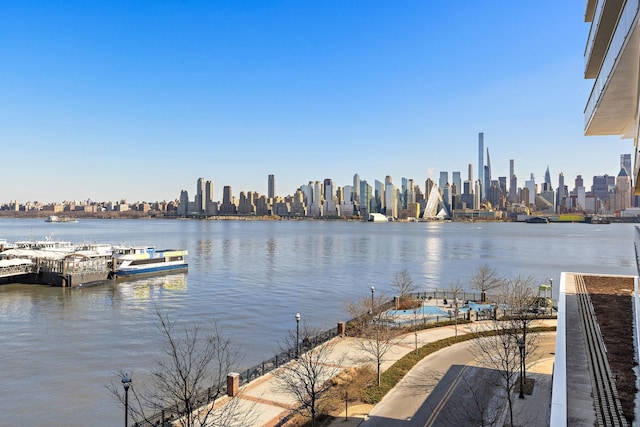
[(143, 260), (597, 220), (537, 220)]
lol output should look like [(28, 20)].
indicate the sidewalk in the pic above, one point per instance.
[(272, 405)]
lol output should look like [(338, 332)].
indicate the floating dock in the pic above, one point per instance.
[(54, 268)]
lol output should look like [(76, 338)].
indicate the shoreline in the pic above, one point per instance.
[(114, 215)]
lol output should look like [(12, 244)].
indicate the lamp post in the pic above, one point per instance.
[(551, 296), (372, 291), (297, 335), (126, 382), (415, 326), (521, 347)]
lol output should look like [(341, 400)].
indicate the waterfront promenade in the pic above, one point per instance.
[(271, 406)]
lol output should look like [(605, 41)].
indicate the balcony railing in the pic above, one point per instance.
[(593, 31), (623, 29)]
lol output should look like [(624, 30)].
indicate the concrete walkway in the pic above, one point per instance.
[(270, 405)]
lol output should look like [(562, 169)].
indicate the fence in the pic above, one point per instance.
[(166, 416)]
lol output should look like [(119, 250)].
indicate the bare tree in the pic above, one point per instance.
[(186, 382), (455, 292), (361, 311), (402, 284), (480, 403), (520, 302), (486, 279), (377, 338), (499, 351), (504, 349), (307, 377)]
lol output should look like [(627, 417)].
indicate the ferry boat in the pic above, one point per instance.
[(55, 218), (537, 220), (143, 260)]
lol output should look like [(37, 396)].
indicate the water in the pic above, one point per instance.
[(59, 348)]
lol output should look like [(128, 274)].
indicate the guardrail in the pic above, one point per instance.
[(164, 417)]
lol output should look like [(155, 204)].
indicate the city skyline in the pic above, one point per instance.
[(214, 189), (132, 101)]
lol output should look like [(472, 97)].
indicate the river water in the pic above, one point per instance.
[(60, 348)]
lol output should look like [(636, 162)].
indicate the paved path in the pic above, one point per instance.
[(270, 405), (436, 392)]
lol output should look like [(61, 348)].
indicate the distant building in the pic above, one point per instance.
[(486, 184), (228, 206), (622, 195), (366, 199), (183, 207), (531, 186), (444, 178), (513, 183), (481, 160), (271, 192), (391, 201)]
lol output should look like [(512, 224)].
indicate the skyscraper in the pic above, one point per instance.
[(579, 183), (623, 191), (531, 185), (481, 160), (561, 194), (356, 189), (444, 178), (366, 197), (601, 185), (271, 192), (379, 196), (486, 184), (391, 201), (183, 207), (457, 181), (428, 186), (201, 204), (625, 162), (403, 195), (208, 202), (513, 183), (547, 177)]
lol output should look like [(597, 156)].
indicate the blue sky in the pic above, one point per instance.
[(136, 100)]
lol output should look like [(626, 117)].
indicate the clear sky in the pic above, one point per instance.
[(138, 99)]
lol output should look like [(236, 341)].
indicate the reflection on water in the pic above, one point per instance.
[(153, 287), (60, 347)]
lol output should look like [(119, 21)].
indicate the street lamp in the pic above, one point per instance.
[(551, 296), (297, 335), (372, 290), (126, 382), (415, 326), (521, 347)]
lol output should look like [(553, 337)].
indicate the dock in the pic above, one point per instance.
[(43, 267)]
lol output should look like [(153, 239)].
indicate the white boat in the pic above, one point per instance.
[(55, 218), (377, 217), (5, 245), (140, 260)]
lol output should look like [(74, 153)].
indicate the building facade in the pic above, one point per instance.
[(611, 60)]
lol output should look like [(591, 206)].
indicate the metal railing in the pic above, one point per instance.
[(164, 417)]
